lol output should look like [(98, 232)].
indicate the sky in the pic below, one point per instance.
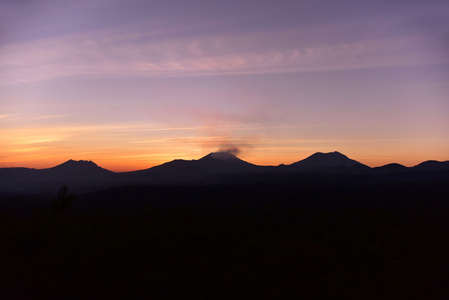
[(133, 84)]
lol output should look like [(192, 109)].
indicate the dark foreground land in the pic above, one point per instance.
[(251, 241)]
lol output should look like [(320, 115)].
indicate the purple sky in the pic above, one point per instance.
[(131, 84)]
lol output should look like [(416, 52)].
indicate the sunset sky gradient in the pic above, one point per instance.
[(132, 84)]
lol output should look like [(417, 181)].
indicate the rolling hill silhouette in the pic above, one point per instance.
[(391, 168), (431, 165), (328, 162)]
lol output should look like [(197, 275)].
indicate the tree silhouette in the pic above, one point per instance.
[(62, 202)]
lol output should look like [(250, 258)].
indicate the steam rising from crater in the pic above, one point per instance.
[(229, 149)]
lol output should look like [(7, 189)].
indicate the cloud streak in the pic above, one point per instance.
[(50, 117), (138, 55)]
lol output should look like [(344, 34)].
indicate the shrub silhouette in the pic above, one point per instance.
[(62, 202)]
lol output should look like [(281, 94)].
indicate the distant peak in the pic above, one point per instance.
[(79, 161), (221, 155), (429, 162), (325, 160), (333, 154)]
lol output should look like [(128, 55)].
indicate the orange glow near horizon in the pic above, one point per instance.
[(45, 147), (125, 163)]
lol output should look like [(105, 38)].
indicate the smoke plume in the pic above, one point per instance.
[(229, 149)]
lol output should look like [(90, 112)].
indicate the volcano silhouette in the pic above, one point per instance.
[(81, 169), (224, 162), (71, 173)]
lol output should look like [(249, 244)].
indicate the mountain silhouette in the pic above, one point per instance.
[(216, 168), (81, 169), (327, 162), (73, 173), (224, 162)]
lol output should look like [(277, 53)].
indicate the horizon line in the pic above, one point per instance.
[(218, 151)]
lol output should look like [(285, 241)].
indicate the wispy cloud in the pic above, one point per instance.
[(50, 117), (6, 116), (136, 54), (138, 128)]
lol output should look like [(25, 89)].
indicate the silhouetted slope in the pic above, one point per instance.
[(8, 174), (175, 171), (174, 165)]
